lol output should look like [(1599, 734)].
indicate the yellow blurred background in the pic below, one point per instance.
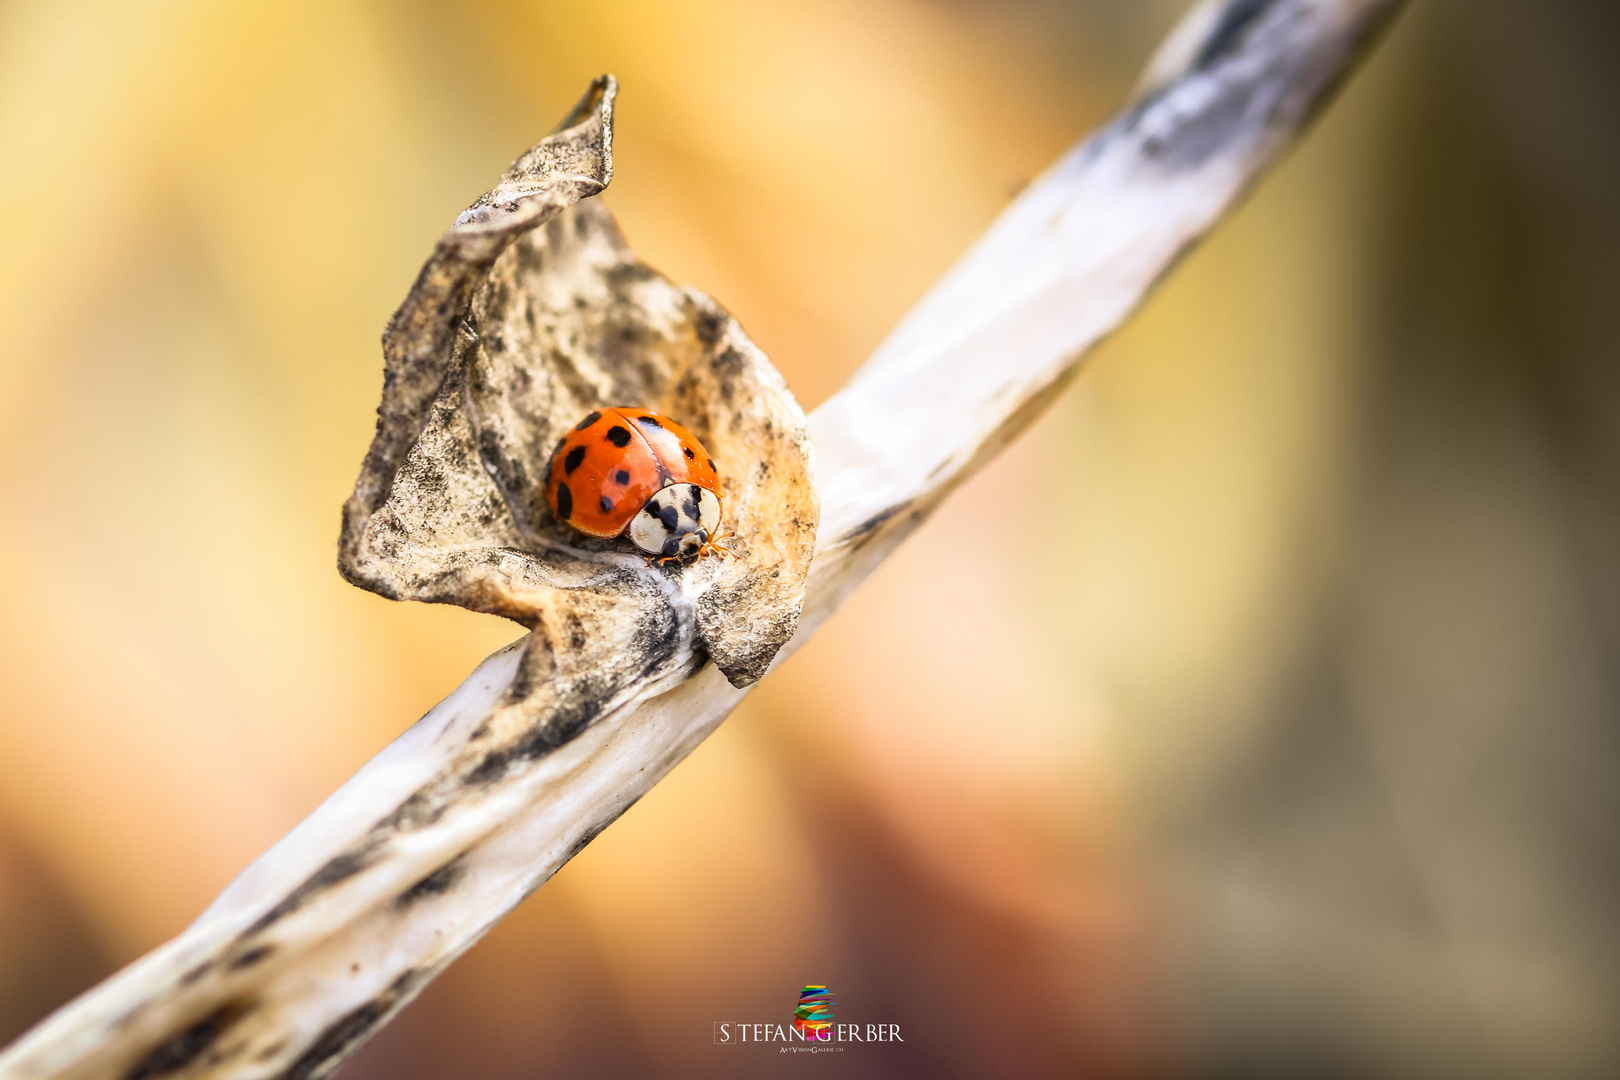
[(1281, 741)]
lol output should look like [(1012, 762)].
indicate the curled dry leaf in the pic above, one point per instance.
[(532, 312)]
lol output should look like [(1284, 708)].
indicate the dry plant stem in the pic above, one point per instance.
[(318, 943)]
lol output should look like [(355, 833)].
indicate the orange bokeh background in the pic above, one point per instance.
[(1253, 712)]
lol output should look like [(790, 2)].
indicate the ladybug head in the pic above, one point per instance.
[(677, 522)]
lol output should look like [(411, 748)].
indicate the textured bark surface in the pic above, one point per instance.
[(335, 928)]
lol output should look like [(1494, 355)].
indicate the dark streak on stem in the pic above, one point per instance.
[(252, 956), (871, 524), (1263, 70), (437, 883), (339, 868), (184, 1047), (1226, 37), (350, 1030)]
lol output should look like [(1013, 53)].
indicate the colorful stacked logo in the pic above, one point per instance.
[(813, 1015)]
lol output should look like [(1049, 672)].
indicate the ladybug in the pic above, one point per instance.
[(633, 472)]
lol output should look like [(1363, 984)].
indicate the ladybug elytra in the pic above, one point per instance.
[(636, 473)]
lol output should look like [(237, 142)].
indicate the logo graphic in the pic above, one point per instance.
[(811, 1031), (813, 1016)]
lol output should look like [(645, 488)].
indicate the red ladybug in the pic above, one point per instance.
[(632, 472)]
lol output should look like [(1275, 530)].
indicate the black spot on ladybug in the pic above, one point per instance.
[(572, 461), (622, 477), (565, 502), (670, 516), (687, 450), (649, 421), (588, 421), (689, 508), (618, 436), (651, 509), (555, 450), (711, 464), (605, 503)]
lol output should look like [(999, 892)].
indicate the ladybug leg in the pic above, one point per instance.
[(715, 545)]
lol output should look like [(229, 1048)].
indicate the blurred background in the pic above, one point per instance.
[(1287, 746)]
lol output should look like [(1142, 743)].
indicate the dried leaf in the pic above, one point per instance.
[(532, 312)]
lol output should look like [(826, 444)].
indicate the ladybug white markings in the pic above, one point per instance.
[(676, 523)]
